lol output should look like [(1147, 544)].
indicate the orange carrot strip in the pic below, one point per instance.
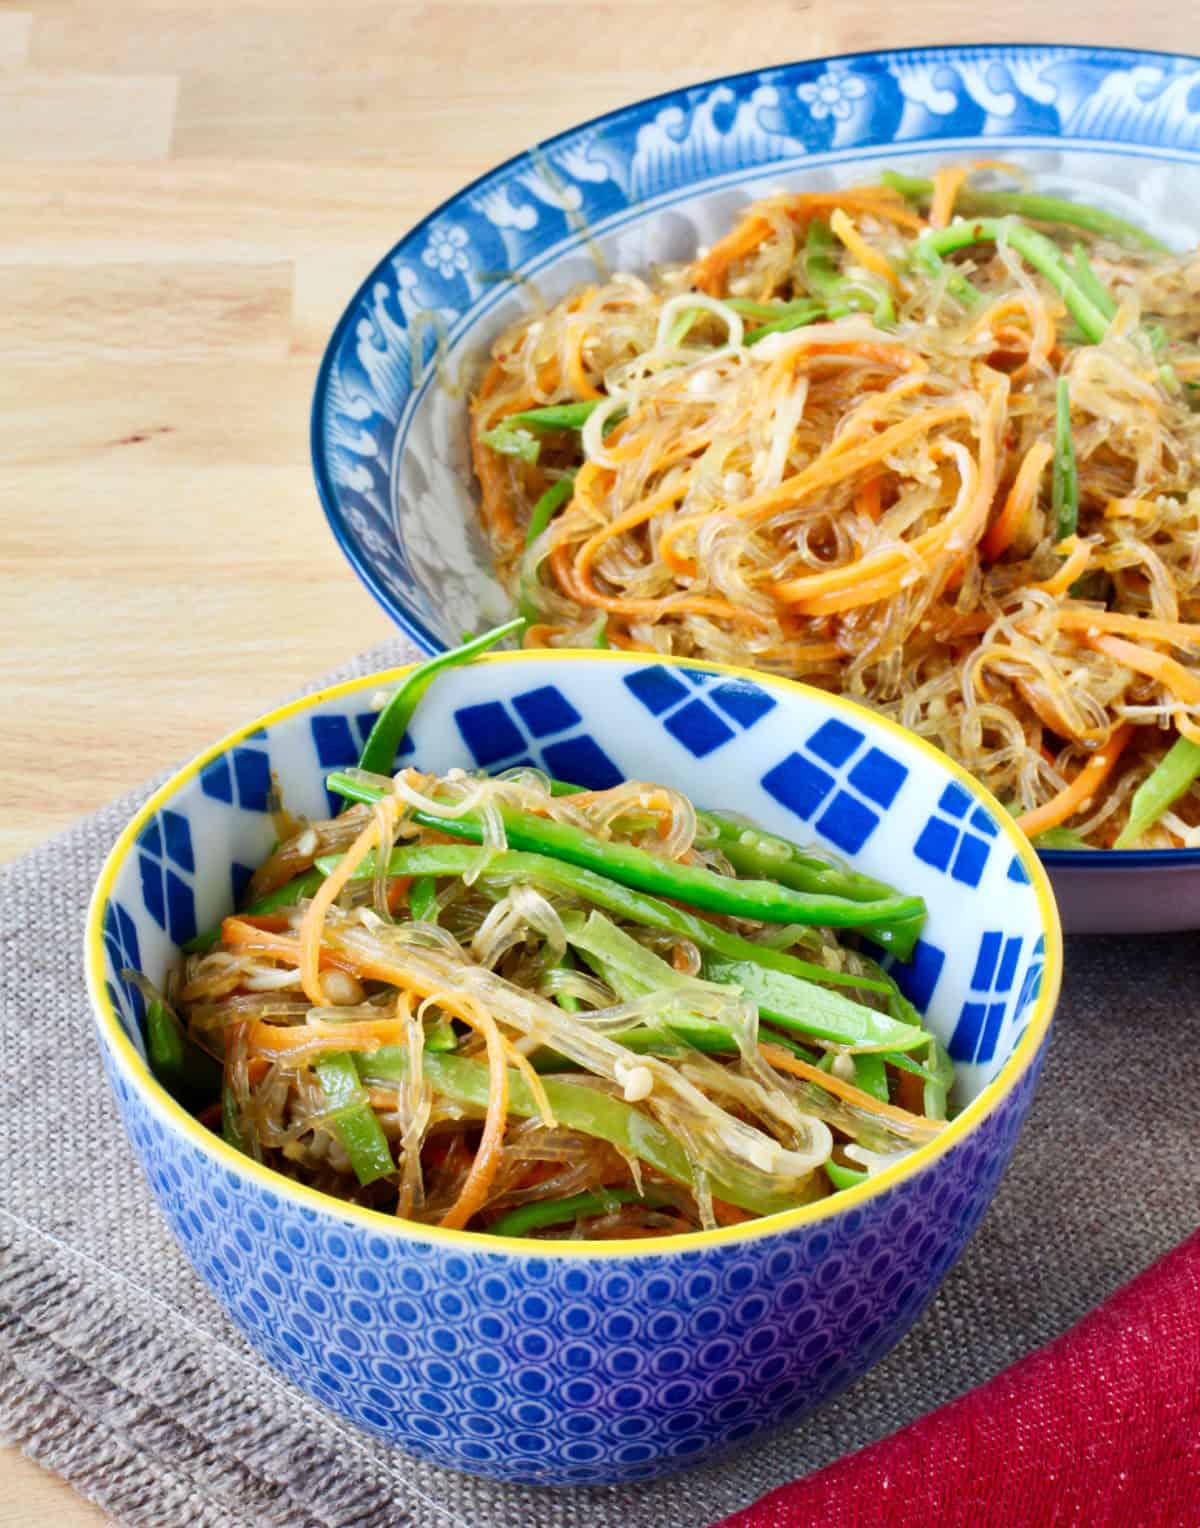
[(1079, 554), (947, 183), (868, 257), (912, 1125), (709, 272), (1080, 618), (313, 922), (283, 1039), (1020, 501), (1082, 788), (1168, 672)]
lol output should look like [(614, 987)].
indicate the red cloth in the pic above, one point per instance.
[(1099, 1429)]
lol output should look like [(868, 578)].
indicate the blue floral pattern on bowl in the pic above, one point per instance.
[(559, 1363)]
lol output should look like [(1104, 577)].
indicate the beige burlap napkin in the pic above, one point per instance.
[(119, 1371)]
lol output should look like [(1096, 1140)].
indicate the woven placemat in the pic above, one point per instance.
[(118, 1370)]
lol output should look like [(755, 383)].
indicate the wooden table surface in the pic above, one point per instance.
[(189, 192)]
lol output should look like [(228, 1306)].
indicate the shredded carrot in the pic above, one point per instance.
[(1168, 672), (916, 1126), (868, 257), (1072, 798), (1077, 554), (869, 499), (947, 183), (1020, 500), (710, 272), (285, 1039), (326, 894), (1084, 618)]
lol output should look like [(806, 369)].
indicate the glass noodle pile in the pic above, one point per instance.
[(930, 443), (511, 1006)]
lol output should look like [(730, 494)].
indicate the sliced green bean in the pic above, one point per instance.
[(808, 1009), (1064, 472), (556, 1212), (1040, 252), (870, 1074), (465, 1082), (796, 316), (506, 440), (189, 1074), (511, 867), (353, 1118), (1172, 776), (379, 752), (548, 505), (890, 919), (843, 1177), (1090, 284), (1028, 204), (422, 899)]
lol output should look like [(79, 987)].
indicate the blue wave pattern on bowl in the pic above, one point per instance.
[(443, 275), (575, 1367), (560, 1371)]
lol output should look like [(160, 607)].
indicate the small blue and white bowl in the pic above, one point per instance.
[(650, 183), (563, 1362)]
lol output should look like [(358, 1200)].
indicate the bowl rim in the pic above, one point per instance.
[(121, 1048), (413, 626)]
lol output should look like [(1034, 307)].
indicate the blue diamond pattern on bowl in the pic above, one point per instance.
[(804, 786), (949, 844), (978, 1028), (167, 842), (491, 731), (690, 718), (546, 709)]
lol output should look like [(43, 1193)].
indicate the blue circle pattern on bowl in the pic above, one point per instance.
[(557, 1367)]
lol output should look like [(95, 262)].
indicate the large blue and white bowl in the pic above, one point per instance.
[(563, 1362), (651, 182)]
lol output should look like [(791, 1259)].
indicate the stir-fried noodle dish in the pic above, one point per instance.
[(508, 1005), (929, 443)]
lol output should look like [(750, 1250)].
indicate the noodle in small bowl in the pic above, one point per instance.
[(879, 372), (559, 1356)]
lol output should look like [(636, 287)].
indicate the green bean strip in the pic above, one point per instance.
[(353, 1118), (295, 890), (556, 1212), (890, 919), (1040, 252), (379, 753), (807, 1009), (1175, 773), (839, 293), (937, 1091), (1090, 284), (550, 502), (540, 517), (557, 416), (1028, 204), (511, 867), (753, 852), (422, 899), (843, 1177), (189, 1074), (1064, 473), (465, 1082), (797, 316), (870, 1074)]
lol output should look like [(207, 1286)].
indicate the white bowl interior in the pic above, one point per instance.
[(797, 762)]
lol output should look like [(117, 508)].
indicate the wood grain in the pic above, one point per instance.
[(188, 195)]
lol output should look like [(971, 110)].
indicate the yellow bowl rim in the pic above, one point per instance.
[(971, 1118)]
